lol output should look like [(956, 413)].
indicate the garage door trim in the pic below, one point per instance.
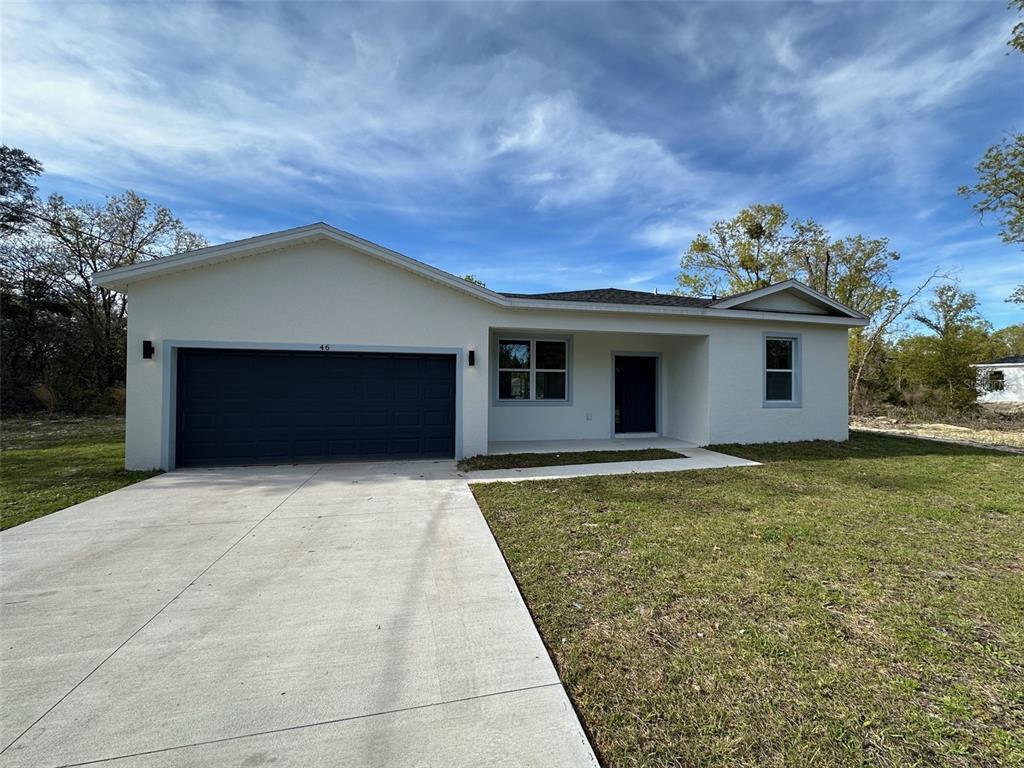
[(168, 359)]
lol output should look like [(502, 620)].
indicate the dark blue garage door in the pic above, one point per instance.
[(256, 407)]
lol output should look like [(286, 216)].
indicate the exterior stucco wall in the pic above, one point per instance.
[(689, 395), (1013, 384), (323, 293), (737, 411), (312, 294), (711, 385), (588, 414)]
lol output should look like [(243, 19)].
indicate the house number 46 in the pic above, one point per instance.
[(325, 347)]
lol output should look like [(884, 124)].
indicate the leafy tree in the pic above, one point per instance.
[(1017, 34), (17, 192), (740, 254), (941, 359), (1008, 341), (85, 239), (61, 330), (761, 245), (1000, 187), (474, 280), (1000, 184)]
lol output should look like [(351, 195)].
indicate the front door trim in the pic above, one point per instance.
[(657, 389)]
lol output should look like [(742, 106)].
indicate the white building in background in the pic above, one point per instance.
[(1001, 381)]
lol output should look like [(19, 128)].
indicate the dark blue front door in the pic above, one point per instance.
[(636, 394), (264, 407)]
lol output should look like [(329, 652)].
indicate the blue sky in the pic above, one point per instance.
[(540, 147)]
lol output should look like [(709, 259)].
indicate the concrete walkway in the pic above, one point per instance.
[(691, 457), (357, 615)]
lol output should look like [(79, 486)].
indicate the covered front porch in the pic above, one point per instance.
[(567, 387)]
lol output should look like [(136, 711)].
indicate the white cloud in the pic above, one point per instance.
[(375, 108), (609, 132)]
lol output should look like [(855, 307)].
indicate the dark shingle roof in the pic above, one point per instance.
[(617, 296), (1004, 360)]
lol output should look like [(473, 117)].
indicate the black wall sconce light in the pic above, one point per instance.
[(472, 357), (148, 349)]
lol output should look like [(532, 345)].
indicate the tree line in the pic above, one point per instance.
[(62, 337)]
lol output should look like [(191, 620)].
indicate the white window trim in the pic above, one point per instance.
[(532, 338), (797, 363)]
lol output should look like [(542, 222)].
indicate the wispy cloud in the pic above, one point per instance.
[(530, 143)]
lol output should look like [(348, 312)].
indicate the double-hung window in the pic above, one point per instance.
[(781, 379), (532, 369)]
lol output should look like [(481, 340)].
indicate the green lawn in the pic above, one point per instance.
[(842, 605), (46, 465), (526, 460)]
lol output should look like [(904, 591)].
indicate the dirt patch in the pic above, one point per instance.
[(1007, 434)]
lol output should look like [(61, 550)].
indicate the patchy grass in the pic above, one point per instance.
[(50, 464), (843, 605), (527, 460)]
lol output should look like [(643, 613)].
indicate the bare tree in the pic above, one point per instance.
[(871, 337)]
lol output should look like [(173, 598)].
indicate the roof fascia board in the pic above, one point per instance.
[(714, 312)]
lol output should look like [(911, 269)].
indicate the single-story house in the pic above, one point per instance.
[(1001, 381), (312, 344)]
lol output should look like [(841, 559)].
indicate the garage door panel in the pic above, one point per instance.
[(408, 418), (374, 418), (341, 419), (437, 418), (376, 390), (342, 448), (407, 390), (432, 444), (373, 447), (407, 445), (246, 406), (305, 448), (437, 391)]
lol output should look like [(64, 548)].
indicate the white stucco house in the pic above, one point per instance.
[(1001, 381), (313, 344)]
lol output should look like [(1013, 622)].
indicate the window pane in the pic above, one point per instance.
[(550, 386), (778, 386), (550, 354), (514, 385), (780, 353), (514, 354)]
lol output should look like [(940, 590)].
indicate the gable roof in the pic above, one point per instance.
[(1008, 360), (602, 299), (792, 286)]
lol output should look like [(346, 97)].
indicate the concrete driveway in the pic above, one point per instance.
[(341, 615)]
